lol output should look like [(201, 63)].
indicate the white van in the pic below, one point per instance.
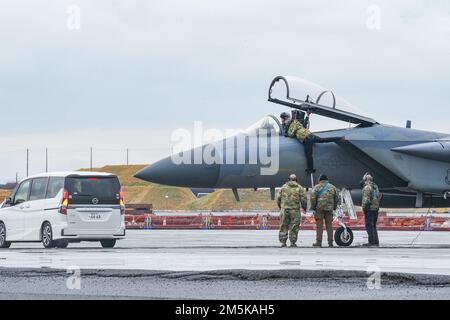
[(58, 208)]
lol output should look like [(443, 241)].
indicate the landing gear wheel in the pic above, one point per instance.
[(3, 243), (62, 244), (47, 236), (110, 243), (343, 237)]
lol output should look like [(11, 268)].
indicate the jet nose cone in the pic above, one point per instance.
[(183, 175)]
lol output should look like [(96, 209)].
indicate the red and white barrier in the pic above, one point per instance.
[(271, 221)]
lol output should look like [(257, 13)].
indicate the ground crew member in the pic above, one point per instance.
[(290, 199), (324, 200), (299, 128), (371, 198), (291, 124)]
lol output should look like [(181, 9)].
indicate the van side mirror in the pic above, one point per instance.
[(6, 203)]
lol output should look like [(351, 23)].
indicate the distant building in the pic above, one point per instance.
[(8, 186)]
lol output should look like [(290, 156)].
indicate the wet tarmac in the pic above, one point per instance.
[(201, 264)]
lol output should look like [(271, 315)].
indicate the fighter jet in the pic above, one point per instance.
[(411, 167)]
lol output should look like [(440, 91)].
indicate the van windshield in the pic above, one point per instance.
[(93, 190)]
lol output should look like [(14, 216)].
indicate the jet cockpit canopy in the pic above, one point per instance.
[(304, 95)]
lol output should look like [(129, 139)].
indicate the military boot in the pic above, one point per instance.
[(283, 245), (293, 245), (317, 245), (331, 245)]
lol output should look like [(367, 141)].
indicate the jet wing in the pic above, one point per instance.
[(307, 96)]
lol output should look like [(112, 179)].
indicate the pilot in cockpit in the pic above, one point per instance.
[(285, 122)]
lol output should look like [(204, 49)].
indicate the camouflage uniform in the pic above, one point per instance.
[(324, 200), (291, 197), (298, 130), (286, 126), (371, 198)]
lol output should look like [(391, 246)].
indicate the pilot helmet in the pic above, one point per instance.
[(284, 116), (292, 177)]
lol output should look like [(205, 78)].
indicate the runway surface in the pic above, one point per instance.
[(201, 264)]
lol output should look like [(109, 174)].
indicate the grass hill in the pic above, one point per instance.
[(4, 194), (223, 200), (138, 191)]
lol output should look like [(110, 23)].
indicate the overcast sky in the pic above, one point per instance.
[(137, 70)]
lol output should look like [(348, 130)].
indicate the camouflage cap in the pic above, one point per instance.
[(368, 177)]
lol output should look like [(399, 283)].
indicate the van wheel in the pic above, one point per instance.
[(47, 236), (343, 238), (3, 243), (110, 243), (62, 244)]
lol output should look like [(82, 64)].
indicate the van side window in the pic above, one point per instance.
[(55, 184), (38, 189), (22, 192)]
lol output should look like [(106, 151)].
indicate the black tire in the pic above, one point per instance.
[(47, 236), (62, 244), (110, 243), (3, 243), (342, 239)]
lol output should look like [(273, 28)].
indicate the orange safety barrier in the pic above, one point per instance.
[(271, 222)]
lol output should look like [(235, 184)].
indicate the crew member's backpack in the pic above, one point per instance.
[(293, 128), (375, 197), (302, 133)]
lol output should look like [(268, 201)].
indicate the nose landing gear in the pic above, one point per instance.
[(343, 236)]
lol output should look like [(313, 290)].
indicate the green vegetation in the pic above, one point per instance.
[(223, 200)]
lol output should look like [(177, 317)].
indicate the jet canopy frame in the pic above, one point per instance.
[(269, 123), (309, 97)]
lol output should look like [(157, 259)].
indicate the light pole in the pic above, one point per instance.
[(28, 162), (91, 156), (167, 202)]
